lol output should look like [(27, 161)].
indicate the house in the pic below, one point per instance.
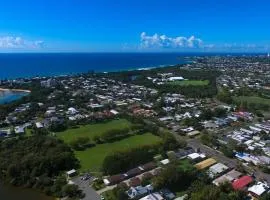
[(210, 125), (114, 112), (233, 174), (241, 183), (139, 191), (4, 133), (133, 172), (165, 161), (182, 153), (196, 156), (72, 111), (258, 189), (153, 196), (71, 173), (220, 180), (133, 182), (148, 166), (206, 163), (39, 125), (217, 169), (19, 129), (115, 179), (193, 133), (167, 194), (147, 175)]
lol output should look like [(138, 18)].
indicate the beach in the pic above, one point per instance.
[(14, 90)]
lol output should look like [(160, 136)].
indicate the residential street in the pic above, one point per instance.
[(90, 193)]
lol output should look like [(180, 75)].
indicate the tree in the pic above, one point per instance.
[(225, 96), (36, 162), (72, 191), (127, 159)]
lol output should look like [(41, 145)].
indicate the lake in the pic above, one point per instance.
[(16, 193), (9, 96)]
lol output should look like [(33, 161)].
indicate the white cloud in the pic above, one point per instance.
[(162, 41), (11, 42)]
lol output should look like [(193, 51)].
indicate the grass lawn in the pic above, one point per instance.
[(253, 99), (92, 130), (189, 82), (92, 158), (185, 165), (28, 132)]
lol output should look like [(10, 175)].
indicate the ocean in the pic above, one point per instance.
[(49, 64), (20, 65)]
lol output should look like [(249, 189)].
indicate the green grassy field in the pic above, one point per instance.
[(92, 130), (185, 165), (92, 158), (189, 82), (253, 99)]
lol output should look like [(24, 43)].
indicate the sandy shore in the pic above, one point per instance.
[(14, 90)]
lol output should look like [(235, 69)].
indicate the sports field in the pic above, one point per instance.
[(92, 130), (189, 82), (92, 158), (252, 99)]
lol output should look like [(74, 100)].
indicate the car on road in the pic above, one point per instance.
[(102, 197), (86, 177)]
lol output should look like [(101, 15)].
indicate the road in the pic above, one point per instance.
[(90, 193), (195, 143)]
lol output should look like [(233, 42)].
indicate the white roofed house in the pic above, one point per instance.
[(217, 169), (114, 112), (153, 196), (71, 173), (19, 129), (258, 189), (72, 111), (39, 125), (196, 156)]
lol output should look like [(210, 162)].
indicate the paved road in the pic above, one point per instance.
[(90, 193), (195, 143)]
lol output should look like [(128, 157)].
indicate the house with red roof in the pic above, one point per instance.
[(241, 183)]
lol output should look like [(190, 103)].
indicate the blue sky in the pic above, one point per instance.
[(142, 25)]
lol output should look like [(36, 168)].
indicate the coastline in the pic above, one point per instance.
[(14, 90)]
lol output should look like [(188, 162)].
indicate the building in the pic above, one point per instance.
[(258, 189), (135, 181), (206, 163), (133, 172), (241, 183), (165, 161), (115, 179), (138, 191), (153, 196), (71, 173), (233, 174), (217, 169), (196, 156), (148, 166)]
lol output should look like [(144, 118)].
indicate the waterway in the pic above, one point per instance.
[(7, 96)]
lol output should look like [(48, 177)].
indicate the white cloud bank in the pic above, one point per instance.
[(162, 42), (11, 42)]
